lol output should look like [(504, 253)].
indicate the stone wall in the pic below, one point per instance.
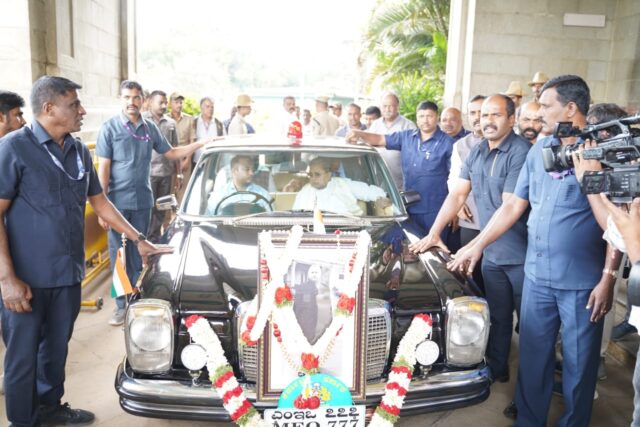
[(78, 39), (505, 41)]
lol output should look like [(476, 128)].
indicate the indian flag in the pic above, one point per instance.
[(121, 283), (318, 223)]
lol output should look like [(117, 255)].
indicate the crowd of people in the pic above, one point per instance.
[(531, 239)]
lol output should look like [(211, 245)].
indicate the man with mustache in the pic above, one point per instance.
[(47, 179), (529, 123), (491, 169), (124, 147), (162, 169), (287, 115)]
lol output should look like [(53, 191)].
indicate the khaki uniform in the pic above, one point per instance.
[(324, 124), (186, 128)]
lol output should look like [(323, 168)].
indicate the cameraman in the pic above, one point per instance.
[(628, 225), (566, 279)]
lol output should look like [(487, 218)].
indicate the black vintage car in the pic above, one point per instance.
[(214, 273)]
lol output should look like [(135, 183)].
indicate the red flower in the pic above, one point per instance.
[(310, 361), (283, 295), (426, 318), (246, 337), (223, 379), (189, 321), (313, 402), (244, 408), (338, 232), (301, 402), (345, 303), (251, 320), (393, 410)]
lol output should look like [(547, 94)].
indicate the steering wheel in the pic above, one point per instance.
[(256, 198)]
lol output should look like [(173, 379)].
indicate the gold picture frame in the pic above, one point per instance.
[(319, 262)]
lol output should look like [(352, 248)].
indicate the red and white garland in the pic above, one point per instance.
[(244, 414), (277, 303)]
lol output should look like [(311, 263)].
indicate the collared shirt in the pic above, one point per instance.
[(463, 132), (341, 195), (425, 165), (160, 165), (45, 222), (493, 172), (129, 185), (342, 131), (565, 249), (218, 195), (324, 124), (185, 128), (461, 150), (204, 131), (392, 158), (238, 126)]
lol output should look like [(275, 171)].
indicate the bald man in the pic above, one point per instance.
[(451, 123), (529, 123)]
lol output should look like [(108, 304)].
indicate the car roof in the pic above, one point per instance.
[(279, 142)]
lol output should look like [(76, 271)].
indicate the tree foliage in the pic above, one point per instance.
[(406, 43)]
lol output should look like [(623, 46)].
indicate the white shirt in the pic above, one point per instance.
[(461, 150), (341, 195), (238, 126), (284, 121), (205, 132), (392, 158)]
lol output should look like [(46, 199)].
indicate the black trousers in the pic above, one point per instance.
[(37, 346), (160, 186)]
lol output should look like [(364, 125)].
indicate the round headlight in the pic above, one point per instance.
[(150, 333), (193, 357), (467, 328), (427, 352)]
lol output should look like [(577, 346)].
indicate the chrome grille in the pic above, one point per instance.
[(378, 342)]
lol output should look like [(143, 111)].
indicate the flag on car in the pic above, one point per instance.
[(121, 283), (318, 223)]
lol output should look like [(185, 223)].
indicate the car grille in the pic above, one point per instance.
[(378, 342)]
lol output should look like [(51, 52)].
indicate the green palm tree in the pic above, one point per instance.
[(406, 39)]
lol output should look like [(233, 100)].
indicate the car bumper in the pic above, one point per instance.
[(182, 400)]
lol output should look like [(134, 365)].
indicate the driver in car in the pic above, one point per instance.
[(242, 171), (335, 194)]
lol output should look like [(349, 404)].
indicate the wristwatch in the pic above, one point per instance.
[(179, 176), (141, 238)]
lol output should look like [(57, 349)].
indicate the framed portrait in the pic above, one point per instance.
[(316, 273)]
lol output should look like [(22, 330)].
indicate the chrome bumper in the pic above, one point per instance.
[(182, 400)]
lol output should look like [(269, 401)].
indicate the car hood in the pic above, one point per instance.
[(214, 268)]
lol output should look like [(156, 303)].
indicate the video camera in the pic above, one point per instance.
[(620, 179)]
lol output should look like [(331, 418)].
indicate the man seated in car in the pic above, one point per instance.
[(242, 171), (335, 194)]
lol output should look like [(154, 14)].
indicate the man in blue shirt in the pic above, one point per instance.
[(565, 283), (426, 160), (491, 169), (47, 177), (124, 147), (242, 171)]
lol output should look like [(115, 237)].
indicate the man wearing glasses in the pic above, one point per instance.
[(335, 194)]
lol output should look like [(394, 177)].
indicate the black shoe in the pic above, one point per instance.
[(63, 415), (622, 329), (511, 411), (502, 378)]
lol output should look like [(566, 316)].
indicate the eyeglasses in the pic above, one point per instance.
[(316, 174)]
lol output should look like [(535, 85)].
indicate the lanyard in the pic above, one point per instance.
[(146, 137), (81, 169)]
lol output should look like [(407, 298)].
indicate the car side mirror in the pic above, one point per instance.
[(409, 197), (166, 203)]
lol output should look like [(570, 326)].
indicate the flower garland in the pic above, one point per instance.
[(388, 411), (244, 414), (277, 303)]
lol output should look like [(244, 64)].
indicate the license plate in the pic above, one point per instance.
[(330, 416)]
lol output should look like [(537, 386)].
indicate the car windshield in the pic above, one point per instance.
[(278, 181)]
